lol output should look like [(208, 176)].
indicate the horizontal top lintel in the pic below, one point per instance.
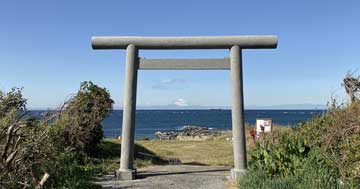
[(184, 64), (186, 42)]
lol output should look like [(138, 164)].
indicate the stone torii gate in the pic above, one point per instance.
[(132, 45)]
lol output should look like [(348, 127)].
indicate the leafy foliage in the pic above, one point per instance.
[(337, 133), (290, 162), (24, 143), (282, 158), (320, 153), (68, 171), (79, 124), (323, 152), (352, 86), (11, 101), (314, 172), (59, 147)]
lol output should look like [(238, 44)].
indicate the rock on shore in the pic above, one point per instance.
[(189, 133)]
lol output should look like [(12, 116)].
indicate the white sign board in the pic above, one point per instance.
[(266, 124)]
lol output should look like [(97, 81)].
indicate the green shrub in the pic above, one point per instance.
[(323, 152), (337, 133), (12, 100), (79, 124), (289, 163), (30, 147), (68, 171), (24, 143), (313, 173), (281, 158)]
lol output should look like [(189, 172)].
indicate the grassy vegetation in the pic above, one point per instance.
[(215, 151), (68, 144), (283, 159), (108, 158), (209, 152), (321, 153), (58, 150)]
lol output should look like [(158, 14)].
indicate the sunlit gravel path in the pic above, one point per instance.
[(173, 176)]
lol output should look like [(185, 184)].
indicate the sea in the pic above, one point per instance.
[(150, 121)]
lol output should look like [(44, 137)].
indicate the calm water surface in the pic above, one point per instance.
[(150, 121)]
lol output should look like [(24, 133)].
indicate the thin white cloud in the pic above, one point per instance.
[(172, 81), (170, 84), (181, 102)]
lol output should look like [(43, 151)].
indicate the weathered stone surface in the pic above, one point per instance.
[(128, 126), (166, 135), (237, 109), (184, 64), (235, 174), (189, 133), (185, 42), (125, 174)]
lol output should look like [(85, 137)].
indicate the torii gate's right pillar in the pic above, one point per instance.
[(237, 113)]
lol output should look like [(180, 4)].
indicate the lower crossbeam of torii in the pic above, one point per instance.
[(133, 44)]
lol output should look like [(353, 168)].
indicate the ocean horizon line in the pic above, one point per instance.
[(117, 109)]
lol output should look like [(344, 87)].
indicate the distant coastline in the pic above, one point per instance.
[(250, 107), (196, 107)]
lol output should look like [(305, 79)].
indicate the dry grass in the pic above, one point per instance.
[(216, 151), (209, 152)]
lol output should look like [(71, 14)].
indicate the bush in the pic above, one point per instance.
[(313, 173), (323, 152), (11, 101), (281, 158), (31, 147), (24, 143), (289, 163), (67, 170), (337, 133), (79, 124)]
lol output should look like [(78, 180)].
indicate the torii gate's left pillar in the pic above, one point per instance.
[(127, 171)]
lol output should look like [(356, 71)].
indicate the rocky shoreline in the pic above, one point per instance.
[(189, 132)]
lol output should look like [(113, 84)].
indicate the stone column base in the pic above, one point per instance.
[(235, 174), (129, 174)]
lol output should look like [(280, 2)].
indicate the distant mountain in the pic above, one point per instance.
[(175, 107), (198, 107)]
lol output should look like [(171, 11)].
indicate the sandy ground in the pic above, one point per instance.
[(174, 177)]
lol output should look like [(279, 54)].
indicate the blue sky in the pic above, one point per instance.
[(46, 48)]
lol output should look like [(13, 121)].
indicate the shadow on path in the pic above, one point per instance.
[(145, 174), (109, 149), (173, 176)]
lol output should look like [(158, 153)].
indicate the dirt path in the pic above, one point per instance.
[(174, 177)]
